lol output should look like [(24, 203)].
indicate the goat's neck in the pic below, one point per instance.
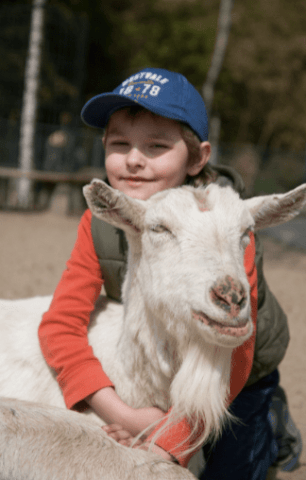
[(169, 362), (143, 334)]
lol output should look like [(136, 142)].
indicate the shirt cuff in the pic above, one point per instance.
[(84, 383), (176, 439)]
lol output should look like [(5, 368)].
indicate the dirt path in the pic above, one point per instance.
[(35, 247)]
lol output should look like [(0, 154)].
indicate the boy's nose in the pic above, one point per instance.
[(135, 158)]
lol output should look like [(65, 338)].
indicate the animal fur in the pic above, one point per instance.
[(170, 344)]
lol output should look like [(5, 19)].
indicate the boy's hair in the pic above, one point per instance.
[(207, 174)]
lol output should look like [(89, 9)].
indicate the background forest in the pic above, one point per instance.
[(91, 45)]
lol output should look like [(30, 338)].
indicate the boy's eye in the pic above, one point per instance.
[(158, 145)]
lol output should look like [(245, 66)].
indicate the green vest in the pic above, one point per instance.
[(271, 343), (111, 249)]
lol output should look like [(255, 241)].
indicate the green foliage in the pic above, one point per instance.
[(59, 74), (260, 95), (179, 37), (13, 52), (261, 92), (265, 74)]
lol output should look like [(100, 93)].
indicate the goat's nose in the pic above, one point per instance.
[(229, 294)]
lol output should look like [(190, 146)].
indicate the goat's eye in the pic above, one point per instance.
[(159, 229)]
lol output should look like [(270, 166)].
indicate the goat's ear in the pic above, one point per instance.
[(272, 210), (114, 207)]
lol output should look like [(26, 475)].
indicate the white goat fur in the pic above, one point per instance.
[(181, 241), (40, 442)]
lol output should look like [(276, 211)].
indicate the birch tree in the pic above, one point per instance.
[(224, 26), (29, 104)]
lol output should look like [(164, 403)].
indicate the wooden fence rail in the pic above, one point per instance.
[(75, 181), (84, 175)]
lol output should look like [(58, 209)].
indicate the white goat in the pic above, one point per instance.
[(186, 307), (40, 442)]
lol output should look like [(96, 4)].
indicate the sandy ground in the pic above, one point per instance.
[(35, 246)]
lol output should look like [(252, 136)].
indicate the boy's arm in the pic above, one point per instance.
[(63, 330), (109, 406), (272, 326), (64, 341)]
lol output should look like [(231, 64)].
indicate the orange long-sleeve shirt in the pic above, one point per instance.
[(64, 342)]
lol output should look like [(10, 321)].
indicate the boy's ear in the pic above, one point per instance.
[(272, 210), (195, 168), (115, 207)]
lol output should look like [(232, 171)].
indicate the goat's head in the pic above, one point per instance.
[(192, 243)]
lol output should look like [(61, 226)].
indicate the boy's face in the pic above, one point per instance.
[(144, 154)]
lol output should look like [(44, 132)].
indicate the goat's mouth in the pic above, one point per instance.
[(239, 330)]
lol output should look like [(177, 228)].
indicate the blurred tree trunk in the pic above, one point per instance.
[(29, 104), (224, 26)]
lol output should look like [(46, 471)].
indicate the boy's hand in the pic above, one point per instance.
[(109, 406), (123, 437), (143, 418)]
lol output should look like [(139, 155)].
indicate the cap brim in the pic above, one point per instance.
[(97, 110)]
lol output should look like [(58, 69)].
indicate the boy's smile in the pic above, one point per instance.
[(144, 154)]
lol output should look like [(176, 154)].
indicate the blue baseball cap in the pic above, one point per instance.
[(164, 93)]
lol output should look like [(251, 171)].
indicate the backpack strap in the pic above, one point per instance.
[(227, 176), (111, 249)]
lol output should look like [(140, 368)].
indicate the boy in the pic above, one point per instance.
[(156, 137)]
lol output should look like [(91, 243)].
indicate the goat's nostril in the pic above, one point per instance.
[(229, 294), (219, 299), (239, 297)]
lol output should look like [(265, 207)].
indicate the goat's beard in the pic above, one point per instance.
[(199, 392)]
